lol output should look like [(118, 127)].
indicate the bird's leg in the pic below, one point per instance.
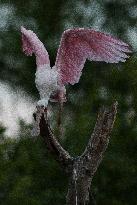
[(59, 121), (46, 114), (61, 99)]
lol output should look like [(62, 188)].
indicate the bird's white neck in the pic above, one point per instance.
[(46, 82)]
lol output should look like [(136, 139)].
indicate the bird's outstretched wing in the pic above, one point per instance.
[(80, 44), (31, 44)]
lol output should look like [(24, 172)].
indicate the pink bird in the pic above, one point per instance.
[(76, 46)]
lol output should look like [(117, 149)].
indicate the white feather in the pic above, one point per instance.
[(46, 83)]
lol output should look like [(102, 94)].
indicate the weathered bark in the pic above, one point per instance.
[(81, 169), (87, 164), (61, 155)]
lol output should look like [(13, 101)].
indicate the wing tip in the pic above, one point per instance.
[(23, 29)]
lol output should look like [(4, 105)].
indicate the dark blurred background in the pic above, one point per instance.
[(28, 174)]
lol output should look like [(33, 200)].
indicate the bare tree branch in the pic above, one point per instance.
[(50, 140), (86, 165), (81, 169), (99, 139)]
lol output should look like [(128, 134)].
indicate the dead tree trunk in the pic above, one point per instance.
[(80, 170)]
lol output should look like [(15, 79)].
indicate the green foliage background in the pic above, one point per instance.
[(28, 174)]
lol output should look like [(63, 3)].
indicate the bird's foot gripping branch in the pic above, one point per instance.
[(80, 170)]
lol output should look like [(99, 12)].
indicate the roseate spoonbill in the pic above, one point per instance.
[(75, 47)]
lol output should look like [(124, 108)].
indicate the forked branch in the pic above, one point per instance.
[(81, 169)]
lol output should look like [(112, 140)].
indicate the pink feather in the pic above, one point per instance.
[(27, 49), (80, 44), (31, 44)]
